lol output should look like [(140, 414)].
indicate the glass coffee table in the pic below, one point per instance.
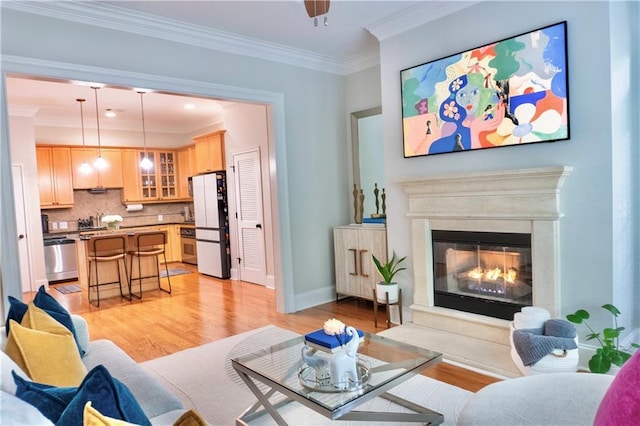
[(277, 376)]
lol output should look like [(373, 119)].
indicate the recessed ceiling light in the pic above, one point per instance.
[(189, 106), (110, 113)]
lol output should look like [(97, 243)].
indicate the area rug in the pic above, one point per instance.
[(175, 271), (204, 379), (69, 288)]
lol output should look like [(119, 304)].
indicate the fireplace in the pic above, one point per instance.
[(523, 204), (486, 273)]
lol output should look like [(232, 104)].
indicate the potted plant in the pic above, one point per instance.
[(387, 271), (609, 353)]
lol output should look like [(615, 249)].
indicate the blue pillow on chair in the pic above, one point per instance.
[(65, 406), (47, 303)]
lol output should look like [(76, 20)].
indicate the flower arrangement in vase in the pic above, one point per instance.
[(112, 221)]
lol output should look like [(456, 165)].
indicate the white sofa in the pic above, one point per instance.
[(545, 399), (160, 405)]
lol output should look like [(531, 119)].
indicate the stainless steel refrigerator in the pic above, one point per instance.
[(212, 224)]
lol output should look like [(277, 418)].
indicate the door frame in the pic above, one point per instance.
[(282, 247)]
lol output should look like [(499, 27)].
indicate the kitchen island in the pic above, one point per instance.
[(108, 271)]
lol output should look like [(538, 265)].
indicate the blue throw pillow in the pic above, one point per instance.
[(107, 395), (47, 303), (17, 309), (50, 400)]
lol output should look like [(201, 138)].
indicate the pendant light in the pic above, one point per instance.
[(145, 164), (100, 162), (85, 168)]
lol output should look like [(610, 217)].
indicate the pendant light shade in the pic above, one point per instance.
[(85, 168), (100, 162), (145, 164)]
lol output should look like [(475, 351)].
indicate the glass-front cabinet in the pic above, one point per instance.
[(156, 183), (167, 175), (148, 181)]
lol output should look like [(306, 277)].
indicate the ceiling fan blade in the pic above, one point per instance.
[(316, 7)]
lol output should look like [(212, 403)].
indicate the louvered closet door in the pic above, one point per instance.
[(248, 186)]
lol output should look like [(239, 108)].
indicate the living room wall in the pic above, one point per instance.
[(599, 199), (314, 121)]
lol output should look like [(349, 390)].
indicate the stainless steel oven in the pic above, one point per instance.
[(188, 248)]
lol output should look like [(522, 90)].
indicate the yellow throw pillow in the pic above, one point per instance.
[(92, 417), (45, 349)]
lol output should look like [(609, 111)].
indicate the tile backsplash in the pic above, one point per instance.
[(86, 204)]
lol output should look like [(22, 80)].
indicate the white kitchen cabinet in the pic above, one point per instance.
[(356, 273)]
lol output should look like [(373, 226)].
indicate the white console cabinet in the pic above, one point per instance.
[(356, 273)]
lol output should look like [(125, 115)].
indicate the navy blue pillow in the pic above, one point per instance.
[(17, 309), (50, 400), (107, 395), (47, 303)]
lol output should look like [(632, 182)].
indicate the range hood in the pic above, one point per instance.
[(97, 190)]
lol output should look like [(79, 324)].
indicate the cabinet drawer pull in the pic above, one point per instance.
[(361, 263), (355, 263)]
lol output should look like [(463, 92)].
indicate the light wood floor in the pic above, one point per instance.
[(202, 309)]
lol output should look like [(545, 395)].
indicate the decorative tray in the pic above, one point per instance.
[(308, 379)]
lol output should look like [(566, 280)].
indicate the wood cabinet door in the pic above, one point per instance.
[(112, 176), (182, 176), (166, 163), (62, 176), (45, 176), (210, 154), (345, 242), (370, 241), (78, 157), (131, 190)]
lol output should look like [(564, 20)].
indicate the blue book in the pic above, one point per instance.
[(380, 220), (323, 341)]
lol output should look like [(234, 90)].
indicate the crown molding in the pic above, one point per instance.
[(122, 19), (415, 16)]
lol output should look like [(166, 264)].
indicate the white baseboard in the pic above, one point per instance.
[(233, 273), (315, 298), (632, 337), (40, 282), (271, 281)]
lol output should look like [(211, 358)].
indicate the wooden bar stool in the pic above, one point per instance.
[(376, 303), (102, 249), (147, 244)]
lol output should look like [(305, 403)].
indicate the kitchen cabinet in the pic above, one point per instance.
[(174, 244), (356, 273), (156, 184), (210, 152), (55, 181), (131, 190), (184, 171), (111, 177)]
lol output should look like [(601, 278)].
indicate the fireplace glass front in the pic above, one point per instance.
[(485, 273)]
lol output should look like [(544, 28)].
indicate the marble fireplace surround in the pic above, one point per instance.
[(521, 201)]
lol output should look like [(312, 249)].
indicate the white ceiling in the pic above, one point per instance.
[(274, 30)]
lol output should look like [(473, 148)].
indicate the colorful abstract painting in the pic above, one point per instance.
[(511, 92)]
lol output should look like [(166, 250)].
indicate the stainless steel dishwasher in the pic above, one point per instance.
[(60, 259)]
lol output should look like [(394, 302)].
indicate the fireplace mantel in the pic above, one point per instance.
[(518, 201)]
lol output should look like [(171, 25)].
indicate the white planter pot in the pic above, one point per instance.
[(383, 289)]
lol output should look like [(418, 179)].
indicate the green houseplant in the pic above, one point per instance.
[(609, 353), (387, 271)]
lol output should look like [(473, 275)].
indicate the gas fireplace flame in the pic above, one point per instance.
[(493, 274)]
